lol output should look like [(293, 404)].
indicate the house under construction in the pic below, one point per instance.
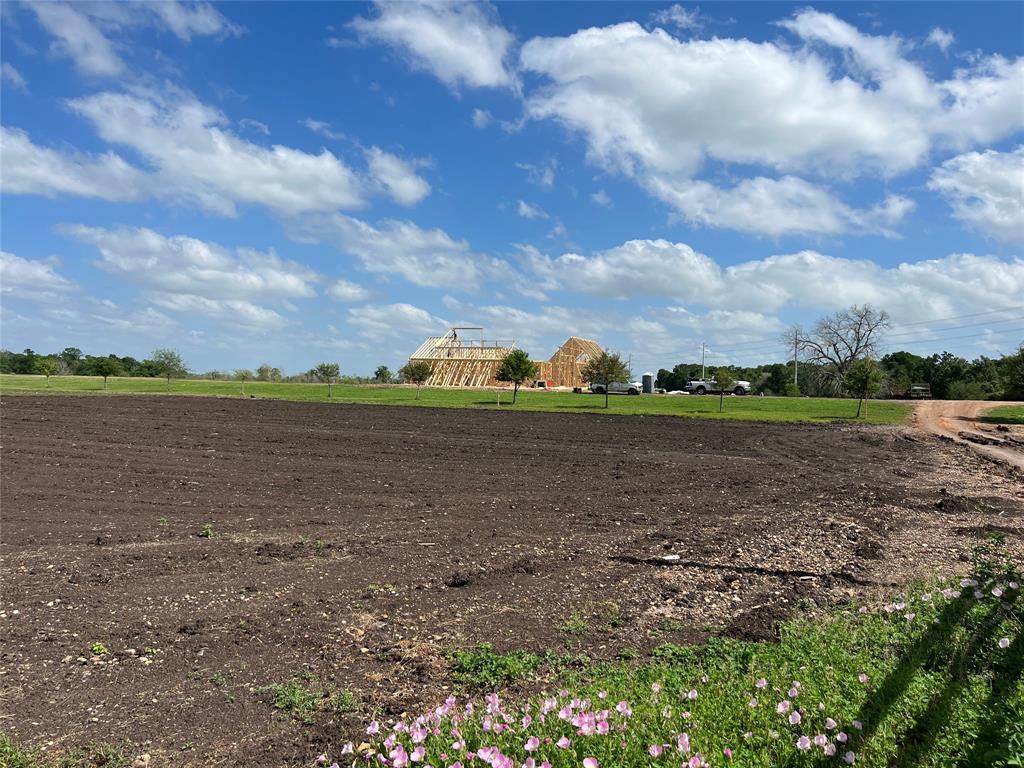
[(462, 357)]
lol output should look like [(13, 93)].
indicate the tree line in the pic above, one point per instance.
[(834, 347)]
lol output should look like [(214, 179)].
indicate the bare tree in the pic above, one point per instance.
[(836, 341)]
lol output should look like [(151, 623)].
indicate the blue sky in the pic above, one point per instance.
[(292, 183)]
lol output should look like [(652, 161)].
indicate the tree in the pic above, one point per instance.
[(268, 373), (604, 370), (724, 381), (105, 366), (327, 372), (47, 366), (382, 375), (1013, 375), (243, 375), (838, 340), (71, 356), (416, 372), (167, 363), (863, 379), (516, 367)]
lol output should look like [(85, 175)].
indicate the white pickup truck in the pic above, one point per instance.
[(619, 388), (705, 386)]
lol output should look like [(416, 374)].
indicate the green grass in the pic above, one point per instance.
[(939, 689), (1005, 414), (743, 408), (87, 756), (302, 697)]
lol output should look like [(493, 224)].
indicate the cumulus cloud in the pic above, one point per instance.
[(601, 198), (395, 320), (654, 107), (236, 312), (679, 17), (461, 44), (397, 176), (184, 271), (347, 291), (80, 30), (426, 257), (985, 190), (808, 279), (29, 169), (198, 159), (31, 279), (940, 38), (777, 207)]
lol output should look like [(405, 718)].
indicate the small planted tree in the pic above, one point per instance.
[(416, 372), (382, 375), (168, 363), (516, 367), (47, 366), (327, 372), (267, 372), (724, 381), (863, 379), (105, 366), (604, 370), (243, 375)]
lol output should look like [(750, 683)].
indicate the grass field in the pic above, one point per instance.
[(743, 408), (1005, 414)]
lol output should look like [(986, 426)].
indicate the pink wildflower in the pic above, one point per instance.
[(782, 707), (850, 757), (624, 709), (820, 739), (563, 743), (803, 743), (727, 752), (1004, 642), (795, 718), (761, 682), (863, 678), (655, 750), (590, 762), (532, 744)]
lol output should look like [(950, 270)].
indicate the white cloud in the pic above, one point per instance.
[(529, 211), (641, 269), (255, 125), (940, 38), (601, 198), (462, 44), (985, 190), (193, 268), (198, 159), (30, 279), (777, 207), (347, 291), (482, 118), (425, 257), (651, 106), (543, 174), (80, 29), (323, 128), (395, 320), (13, 77), (398, 177), (78, 38), (679, 17), (236, 312), (28, 168)]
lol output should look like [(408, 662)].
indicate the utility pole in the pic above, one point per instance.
[(703, 347)]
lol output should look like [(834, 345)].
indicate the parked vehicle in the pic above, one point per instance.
[(618, 388), (710, 386)]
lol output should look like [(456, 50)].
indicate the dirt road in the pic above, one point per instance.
[(959, 421), (358, 545)]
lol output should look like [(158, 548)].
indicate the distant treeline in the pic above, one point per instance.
[(950, 377)]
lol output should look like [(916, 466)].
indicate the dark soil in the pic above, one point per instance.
[(361, 544)]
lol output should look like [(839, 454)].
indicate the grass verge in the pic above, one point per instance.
[(747, 408), (1005, 414), (935, 678)]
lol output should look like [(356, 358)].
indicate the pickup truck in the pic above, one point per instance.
[(619, 388), (706, 386)]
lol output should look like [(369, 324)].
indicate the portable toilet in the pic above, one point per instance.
[(648, 382)]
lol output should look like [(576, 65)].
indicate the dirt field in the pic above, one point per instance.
[(363, 543)]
